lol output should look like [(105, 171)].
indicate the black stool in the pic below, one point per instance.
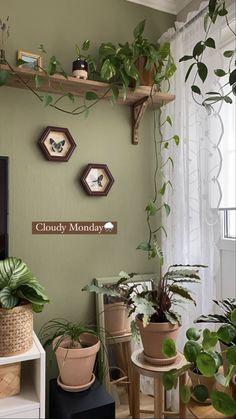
[(93, 403)]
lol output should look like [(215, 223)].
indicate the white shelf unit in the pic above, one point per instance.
[(30, 402)]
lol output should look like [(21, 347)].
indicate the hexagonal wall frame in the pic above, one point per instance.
[(57, 144), (96, 179)]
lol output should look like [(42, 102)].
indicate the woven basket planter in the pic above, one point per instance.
[(16, 330), (10, 379)]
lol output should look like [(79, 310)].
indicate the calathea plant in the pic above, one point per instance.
[(227, 317), (18, 285), (119, 291), (157, 304), (216, 10)]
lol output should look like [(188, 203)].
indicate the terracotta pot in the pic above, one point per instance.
[(209, 382), (152, 337), (115, 318), (127, 321), (146, 76), (76, 365)]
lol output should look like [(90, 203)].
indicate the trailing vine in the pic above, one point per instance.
[(155, 206), (216, 10)]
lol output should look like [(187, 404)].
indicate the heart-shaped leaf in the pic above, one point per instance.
[(91, 96), (202, 71), (169, 348)]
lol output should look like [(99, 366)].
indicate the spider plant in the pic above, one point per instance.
[(59, 330)]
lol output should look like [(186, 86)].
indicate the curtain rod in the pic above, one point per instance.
[(200, 13)]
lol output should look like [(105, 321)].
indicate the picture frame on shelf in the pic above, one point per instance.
[(56, 144), (96, 179), (31, 61)]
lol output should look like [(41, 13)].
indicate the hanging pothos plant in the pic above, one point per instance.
[(216, 10), (157, 204), (116, 65)]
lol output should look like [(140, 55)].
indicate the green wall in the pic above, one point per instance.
[(43, 190)]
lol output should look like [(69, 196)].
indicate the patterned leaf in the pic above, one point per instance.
[(182, 292), (7, 299), (101, 290)]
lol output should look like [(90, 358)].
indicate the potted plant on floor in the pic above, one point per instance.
[(203, 367), (20, 295), (76, 347)]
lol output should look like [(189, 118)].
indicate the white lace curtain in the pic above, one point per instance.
[(193, 226)]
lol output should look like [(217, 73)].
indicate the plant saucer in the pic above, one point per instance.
[(157, 361), (75, 389)]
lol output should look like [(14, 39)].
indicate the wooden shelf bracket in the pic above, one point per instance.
[(138, 109)]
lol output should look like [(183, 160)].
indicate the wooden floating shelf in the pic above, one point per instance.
[(139, 99)]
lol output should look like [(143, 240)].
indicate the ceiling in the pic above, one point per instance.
[(169, 6)]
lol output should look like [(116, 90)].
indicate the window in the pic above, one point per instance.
[(229, 224), (227, 176)]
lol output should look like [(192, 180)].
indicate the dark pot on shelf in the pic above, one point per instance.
[(80, 68)]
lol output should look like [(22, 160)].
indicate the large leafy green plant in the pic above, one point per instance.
[(204, 359), (157, 304), (156, 55), (118, 63), (18, 285)]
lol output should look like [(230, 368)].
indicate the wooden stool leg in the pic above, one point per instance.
[(182, 405), (127, 356), (135, 394), (159, 398)]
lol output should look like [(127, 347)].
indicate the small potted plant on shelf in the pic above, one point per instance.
[(84, 64), (153, 61), (20, 295), (76, 347), (204, 369)]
